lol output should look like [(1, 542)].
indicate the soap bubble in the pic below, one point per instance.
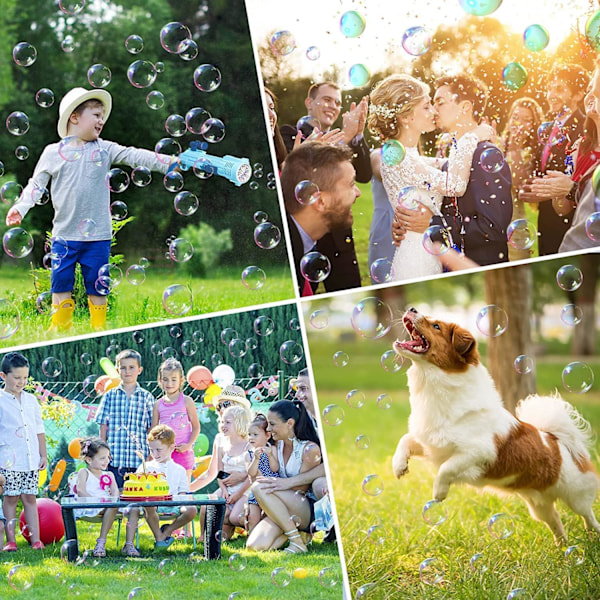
[(384, 401), (71, 7), (207, 78), (291, 352), (416, 40), (371, 318), (514, 76), (20, 577), (281, 577), (173, 182), (518, 593), (10, 192), (306, 124), (376, 534), (476, 563), (341, 359), (203, 168), (333, 415), (329, 577), (99, 76), (1, 168), (372, 485), (24, 54), (186, 203), (167, 568), (577, 377), (501, 526), (306, 192), (352, 24), (213, 130), (100, 157), (118, 210), (392, 153), (492, 160), (592, 227), (181, 250), (165, 149), (52, 367), (189, 348), (355, 399), (141, 176), (172, 35), (237, 348), (521, 234), (17, 242), (44, 98), (22, 152), (569, 278), (71, 148), (86, 359), (44, 303), (315, 267), (177, 299), (59, 246), (113, 271), (592, 30), (264, 325), (195, 118), (437, 240), (523, 364), (140, 593), (319, 319), (358, 75), (117, 180), (492, 320), (391, 362), (134, 44), (571, 315), (155, 100), (175, 125), (313, 53), (574, 556), (283, 43), (535, 38), (362, 442), (411, 198), (188, 50), (434, 512), (238, 562), (141, 73), (68, 44), (381, 270), (253, 277), (430, 572), (104, 285), (479, 8), (267, 235), (17, 123)]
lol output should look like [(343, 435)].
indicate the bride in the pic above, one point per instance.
[(401, 111)]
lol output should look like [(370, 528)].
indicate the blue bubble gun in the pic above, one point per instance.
[(237, 170)]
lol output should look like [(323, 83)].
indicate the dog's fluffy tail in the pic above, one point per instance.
[(553, 415)]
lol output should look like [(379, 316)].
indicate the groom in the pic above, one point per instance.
[(477, 220)]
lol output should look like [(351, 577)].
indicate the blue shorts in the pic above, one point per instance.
[(90, 255)]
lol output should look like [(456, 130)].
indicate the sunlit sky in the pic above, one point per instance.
[(316, 23)]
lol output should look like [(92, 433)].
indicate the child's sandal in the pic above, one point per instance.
[(100, 549), (130, 550)]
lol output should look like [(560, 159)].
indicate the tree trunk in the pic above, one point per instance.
[(584, 334), (510, 289)]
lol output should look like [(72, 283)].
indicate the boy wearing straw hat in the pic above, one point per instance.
[(78, 166)]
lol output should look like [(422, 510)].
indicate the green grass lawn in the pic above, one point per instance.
[(385, 537), (248, 575), (221, 290)]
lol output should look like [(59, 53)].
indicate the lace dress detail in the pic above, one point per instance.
[(430, 185)]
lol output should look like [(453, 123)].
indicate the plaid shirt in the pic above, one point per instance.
[(128, 420)]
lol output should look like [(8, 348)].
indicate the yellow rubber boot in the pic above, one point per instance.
[(62, 315), (97, 315)]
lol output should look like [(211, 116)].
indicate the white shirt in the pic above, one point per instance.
[(20, 424), (175, 474), (307, 242)]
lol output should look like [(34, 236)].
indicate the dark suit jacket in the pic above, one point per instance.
[(338, 246), (478, 220), (298, 252), (551, 226)]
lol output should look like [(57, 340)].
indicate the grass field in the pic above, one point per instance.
[(385, 536), (222, 290), (239, 574)]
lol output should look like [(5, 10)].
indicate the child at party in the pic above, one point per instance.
[(262, 461), (234, 427), (22, 447), (2, 519), (124, 416), (178, 411), (161, 441), (94, 481), (77, 167)]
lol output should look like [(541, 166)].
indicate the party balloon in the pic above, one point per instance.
[(201, 445), (201, 466), (223, 375), (211, 392), (199, 377), (57, 476), (74, 448), (109, 368), (43, 477)]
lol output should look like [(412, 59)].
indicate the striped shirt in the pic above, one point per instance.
[(128, 419)]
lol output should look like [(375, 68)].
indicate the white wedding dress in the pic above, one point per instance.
[(430, 184)]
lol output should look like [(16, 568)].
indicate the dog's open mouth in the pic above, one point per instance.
[(417, 343)]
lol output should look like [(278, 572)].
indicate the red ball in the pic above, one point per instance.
[(52, 528), (199, 377)]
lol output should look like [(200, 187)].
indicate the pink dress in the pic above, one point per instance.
[(174, 414)]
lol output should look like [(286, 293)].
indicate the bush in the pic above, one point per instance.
[(209, 246)]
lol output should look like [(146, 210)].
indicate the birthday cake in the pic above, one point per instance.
[(145, 486)]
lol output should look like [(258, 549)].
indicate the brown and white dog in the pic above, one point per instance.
[(458, 422)]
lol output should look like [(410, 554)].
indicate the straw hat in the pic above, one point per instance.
[(235, 394), (73, 98)]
